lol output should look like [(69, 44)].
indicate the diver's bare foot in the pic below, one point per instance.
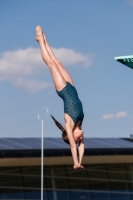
[(39, 33)]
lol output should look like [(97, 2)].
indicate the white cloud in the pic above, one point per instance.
[(69, 57), (22, 62), (31, 86), (22, 66), (120, 114)]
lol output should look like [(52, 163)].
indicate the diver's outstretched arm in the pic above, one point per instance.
[(81, 151), (68, 129)]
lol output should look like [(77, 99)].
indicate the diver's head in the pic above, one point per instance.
[(78, 135)]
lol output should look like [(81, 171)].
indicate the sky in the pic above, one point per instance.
[(85, 36)]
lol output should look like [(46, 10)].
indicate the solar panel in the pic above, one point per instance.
[(92, 143), (55, 143), (33, 142), (2, 146), (15, 143), (101, 143), (107, 143), (26, 142), (122, 143), (58, 143)]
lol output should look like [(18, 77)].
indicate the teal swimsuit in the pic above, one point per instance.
[(72, 104)]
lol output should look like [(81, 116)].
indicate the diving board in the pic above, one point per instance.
[(126, 60)]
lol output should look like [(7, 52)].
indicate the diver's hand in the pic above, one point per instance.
[(78, 167), (81, 167)]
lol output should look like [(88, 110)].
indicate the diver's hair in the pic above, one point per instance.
[(64, 134), (65, 138)]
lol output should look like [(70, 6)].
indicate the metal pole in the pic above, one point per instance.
[(42, 147), (42, 161)]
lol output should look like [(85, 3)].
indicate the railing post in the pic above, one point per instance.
[(42, 144)]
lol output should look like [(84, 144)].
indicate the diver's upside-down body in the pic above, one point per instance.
[(73, 110)]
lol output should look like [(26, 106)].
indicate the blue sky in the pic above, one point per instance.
[(85, 36)]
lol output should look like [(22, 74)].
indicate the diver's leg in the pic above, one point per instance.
[(64, 72), (57, 76)]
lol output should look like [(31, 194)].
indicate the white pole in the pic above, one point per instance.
[(42, 161), (42, 147)]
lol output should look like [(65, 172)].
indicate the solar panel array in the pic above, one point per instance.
[(58, 143)]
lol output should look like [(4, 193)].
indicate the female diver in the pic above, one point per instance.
[(73, 111)]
